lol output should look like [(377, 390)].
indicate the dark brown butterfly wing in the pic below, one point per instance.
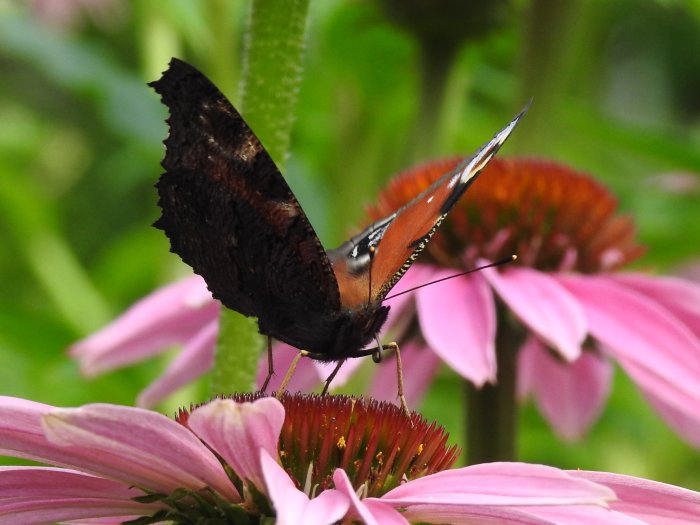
[(231, 216), (379, 256)]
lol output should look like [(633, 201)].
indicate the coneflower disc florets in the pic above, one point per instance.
[(374, 442), (552, 217)]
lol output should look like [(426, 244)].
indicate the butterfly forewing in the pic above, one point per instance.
[(229, 213), (372, 262)]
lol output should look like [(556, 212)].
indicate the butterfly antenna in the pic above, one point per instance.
[(372, 251), (500, 262)]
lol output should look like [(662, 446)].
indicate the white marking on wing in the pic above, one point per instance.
[(483, 156)]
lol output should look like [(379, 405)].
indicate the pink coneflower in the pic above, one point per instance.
[(310, 459), (68, 14), (565, 307), (566, 292)]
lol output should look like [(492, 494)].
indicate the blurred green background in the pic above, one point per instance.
[(616, 89)]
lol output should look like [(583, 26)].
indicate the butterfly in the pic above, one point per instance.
[(230, 215)]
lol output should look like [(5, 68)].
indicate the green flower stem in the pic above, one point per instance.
[(547, 66), (435, 70), (558, 43), (219, 17), (272, 67), (237, 353), (492, 411)]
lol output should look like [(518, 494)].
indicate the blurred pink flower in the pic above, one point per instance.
[(679, 182), (68, 14), (120, 463), (689, 270), (182, 313), (564, 299)]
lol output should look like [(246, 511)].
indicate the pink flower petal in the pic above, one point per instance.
[(306, 376), (684, 419), (527, 373), (399, 300), (292, 505), (419, 367), (22, 435), (37, 495), (170, 315), (195, 359), (689, 270), (369, 511), (678, 296), (569, 395), (499, 484), (657, 351), (531, 515), (236, 431), (136, 446), (582, 515), (474, 515), (400, 320), (650, 501), (102, 521), (458, 321), (544, 306)]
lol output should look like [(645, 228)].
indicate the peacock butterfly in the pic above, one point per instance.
[(230, 215)]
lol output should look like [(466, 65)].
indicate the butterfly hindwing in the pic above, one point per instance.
[(229, 213)]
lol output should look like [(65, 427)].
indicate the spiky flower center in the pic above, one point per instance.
[(374, 442), (552, 217)]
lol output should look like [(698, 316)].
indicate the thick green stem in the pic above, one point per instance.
[(272, 66), (492, 410), (435, 70), (553, 53)]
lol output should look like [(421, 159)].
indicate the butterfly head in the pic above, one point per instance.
[(353, 330)]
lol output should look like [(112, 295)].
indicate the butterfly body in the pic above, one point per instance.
[(229, 214)]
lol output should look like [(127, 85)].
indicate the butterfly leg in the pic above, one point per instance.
[(399, 377), (270, 367), (288, 376), (376, 354), (331, 377)]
